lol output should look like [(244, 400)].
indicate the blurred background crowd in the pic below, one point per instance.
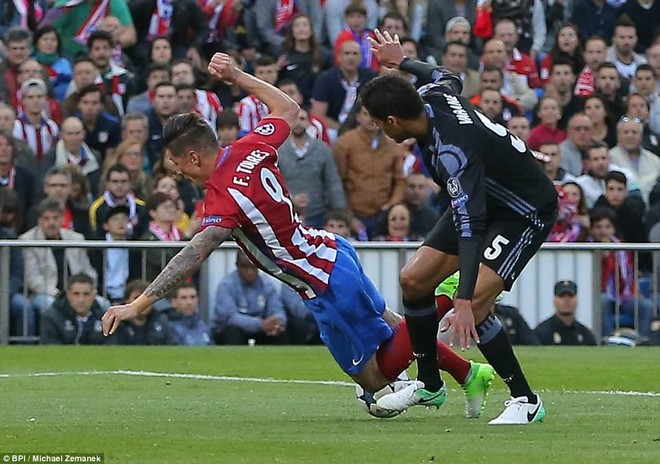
[(86, 86)]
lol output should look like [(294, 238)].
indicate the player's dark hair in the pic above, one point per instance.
[(80, 278), (616, 176), (187, 131), (391, 95)]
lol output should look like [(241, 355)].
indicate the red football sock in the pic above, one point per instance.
[(449, 361), (396, 354), (444, 305)]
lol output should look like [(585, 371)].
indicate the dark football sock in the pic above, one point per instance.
[(496, 348), (422, 321)]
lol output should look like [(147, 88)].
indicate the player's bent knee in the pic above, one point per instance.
[(412, 285)]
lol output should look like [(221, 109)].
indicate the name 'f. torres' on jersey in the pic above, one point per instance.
[(247, 194)]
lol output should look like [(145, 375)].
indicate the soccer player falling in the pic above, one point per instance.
[(248, 200)]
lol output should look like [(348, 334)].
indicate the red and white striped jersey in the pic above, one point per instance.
[(208, 106), (250, 111), (40, 139), (317, 129), (585, 85), (247, 194)]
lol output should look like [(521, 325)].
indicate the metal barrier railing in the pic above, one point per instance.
[(381, 261)]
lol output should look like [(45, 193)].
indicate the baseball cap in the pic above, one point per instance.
[(565, 286), (457, 20), (119, 209), (34, 84)]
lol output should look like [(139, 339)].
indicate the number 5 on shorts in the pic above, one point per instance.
[(495, 249)]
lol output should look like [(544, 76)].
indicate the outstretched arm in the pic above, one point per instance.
[(390, 54), (182, 266), (280, 104)]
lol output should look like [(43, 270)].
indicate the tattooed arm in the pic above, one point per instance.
[(182, 266)]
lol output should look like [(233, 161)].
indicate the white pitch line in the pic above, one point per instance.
[(181, 376), (226, 378)]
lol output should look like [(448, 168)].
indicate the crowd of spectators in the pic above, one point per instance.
[(86, 86)]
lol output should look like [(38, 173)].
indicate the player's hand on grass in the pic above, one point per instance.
[(461, 324), (387, 49), (114, 315), (221, 67)]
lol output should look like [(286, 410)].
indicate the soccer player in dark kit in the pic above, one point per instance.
[(500, 209)]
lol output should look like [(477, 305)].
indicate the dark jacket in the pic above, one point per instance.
[(552, 331), (188, 28), (515, 325), (98, 210), (15, 263), (189, 330), (155, 331), (96, 258), (156, 258), (25, 188), (629, 224), (61, 326)]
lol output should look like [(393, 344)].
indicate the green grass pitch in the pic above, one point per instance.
[(143, 420)]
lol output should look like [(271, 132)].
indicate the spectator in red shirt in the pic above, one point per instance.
[(549, 114), (517, 61)]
